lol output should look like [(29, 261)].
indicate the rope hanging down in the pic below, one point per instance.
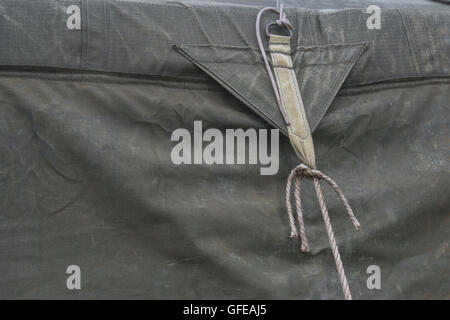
[(295, 108), (302, 171)]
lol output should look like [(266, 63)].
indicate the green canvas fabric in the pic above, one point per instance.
[(86, 177), (322, 71)]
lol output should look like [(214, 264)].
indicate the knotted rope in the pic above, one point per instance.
[(282, 20), (302, 171)]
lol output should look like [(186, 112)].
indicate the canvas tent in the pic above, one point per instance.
[(91, 92)]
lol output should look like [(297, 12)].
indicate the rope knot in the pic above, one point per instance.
[(303, 171), (282, 18), (284, 22), (307, 172)]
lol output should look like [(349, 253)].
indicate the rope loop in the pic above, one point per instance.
[(307, 172)]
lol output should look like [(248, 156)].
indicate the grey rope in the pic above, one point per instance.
[(298, 204), (303, 171)]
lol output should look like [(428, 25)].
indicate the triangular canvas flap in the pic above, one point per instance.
[(321, 71)]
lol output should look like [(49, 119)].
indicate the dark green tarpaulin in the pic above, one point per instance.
[(86, 177)]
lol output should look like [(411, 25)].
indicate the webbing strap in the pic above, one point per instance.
[(301, 140), (291, 99)]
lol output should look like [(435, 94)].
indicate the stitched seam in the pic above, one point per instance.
[(405, 83), (279, 43), (106, 39), (297, 48), (299, 100), (281, 52), (70, 78), (219, 25), (413, 55), (87, 33), (198, 8), (283, 67), (313, 38), (260, 63), (281, 93), (397, 80)]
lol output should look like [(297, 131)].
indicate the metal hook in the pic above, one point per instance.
[(275, 24), (280, 22)]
